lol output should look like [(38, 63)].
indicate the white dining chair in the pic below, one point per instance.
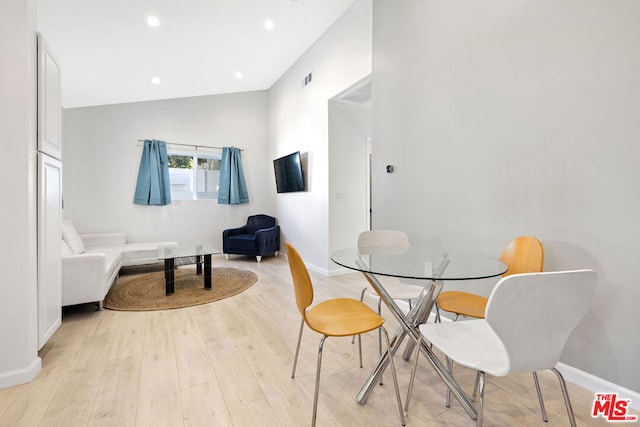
[(398, 289), (527, 321)]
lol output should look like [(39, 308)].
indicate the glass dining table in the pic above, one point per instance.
[(430, 266)]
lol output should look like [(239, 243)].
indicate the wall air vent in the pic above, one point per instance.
[(307, 79)]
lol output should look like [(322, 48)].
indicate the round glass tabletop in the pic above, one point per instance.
[(419, 263)]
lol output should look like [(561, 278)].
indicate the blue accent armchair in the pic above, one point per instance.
[(260, 236)]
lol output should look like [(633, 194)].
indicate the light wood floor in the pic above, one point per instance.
[(228, 363)]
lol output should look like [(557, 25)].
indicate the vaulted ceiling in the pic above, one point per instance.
[(108, 53)]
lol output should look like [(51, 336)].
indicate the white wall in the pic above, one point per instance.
[(510, 118), (102, 156), (349, 127), (19, 361), (299, 122)]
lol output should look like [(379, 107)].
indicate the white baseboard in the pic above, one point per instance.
[(597, 384), (21, 376)]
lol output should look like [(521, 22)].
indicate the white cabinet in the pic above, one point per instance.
[(49, 194), (49, 257), (49, 103)]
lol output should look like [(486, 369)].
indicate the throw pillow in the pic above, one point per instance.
[(65, 250), (72, 238)]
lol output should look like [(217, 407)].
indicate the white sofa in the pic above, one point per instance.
[(91, 262)]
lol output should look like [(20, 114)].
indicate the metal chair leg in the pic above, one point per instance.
[(565, 394), (295, 358), (395, 378), (379, 332), (380, 335), (315, 395), (480, 399), (360, 349), (447, 401), (539, 392), (361, 299), (475, 385)]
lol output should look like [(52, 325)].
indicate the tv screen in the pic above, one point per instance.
[(288, 170)]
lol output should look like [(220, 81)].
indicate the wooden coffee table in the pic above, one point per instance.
[(188, 254)]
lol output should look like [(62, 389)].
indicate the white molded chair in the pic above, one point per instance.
[(527, 321), (398, 289)]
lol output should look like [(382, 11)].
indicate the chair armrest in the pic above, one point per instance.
[(88, 264), (83, 278), (101, 240), (268, 240), (264, 232), (234, 231)]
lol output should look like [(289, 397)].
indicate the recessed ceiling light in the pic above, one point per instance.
[(268, 24), (155, 80), (152, 21), (238, 75)]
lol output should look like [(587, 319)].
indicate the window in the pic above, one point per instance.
[(194, 176)]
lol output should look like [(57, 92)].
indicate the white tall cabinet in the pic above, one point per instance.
[(49, 225)]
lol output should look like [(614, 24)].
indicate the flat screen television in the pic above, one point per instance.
[(288, 170)]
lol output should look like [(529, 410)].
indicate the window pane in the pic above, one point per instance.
[(180, 161), (189, 183), (207, 177), (181, 183)]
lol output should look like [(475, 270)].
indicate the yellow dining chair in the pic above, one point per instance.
[(338, 317), (523, 254)]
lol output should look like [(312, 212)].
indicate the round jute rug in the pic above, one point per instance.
[(146, 292)]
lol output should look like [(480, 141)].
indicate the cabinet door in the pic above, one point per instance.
[(49, 102), (49, 238)]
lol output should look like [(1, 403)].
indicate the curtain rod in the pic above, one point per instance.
[(190, 145)]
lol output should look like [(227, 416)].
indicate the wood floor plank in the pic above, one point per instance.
[(204, 405), (216, 335), (291, 403), (128, 339), (248, 406), (159, 400), (194, 365), (76, 394), (116, 401)]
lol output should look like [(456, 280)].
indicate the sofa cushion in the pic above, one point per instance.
[(72, 238), (243, 242), (140, 253)]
